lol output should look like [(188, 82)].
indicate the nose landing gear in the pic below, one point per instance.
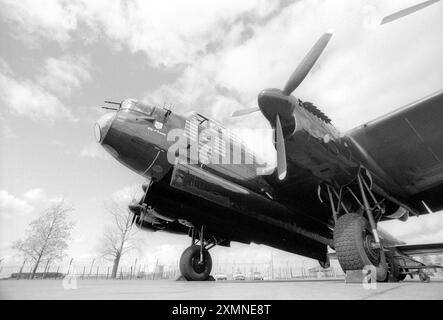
[(193, 266), (196, 262)]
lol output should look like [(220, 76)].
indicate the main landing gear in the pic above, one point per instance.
[(356, 240), (196, 262)]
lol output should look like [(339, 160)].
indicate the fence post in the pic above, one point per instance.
[(107, 274), (130, 275), (155, 269), (135, 267), (83, 274), (56, 274), (46, 269), (90, 270)]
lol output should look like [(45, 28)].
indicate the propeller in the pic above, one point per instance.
[(243, 112), (281, 150), (405, 12), (278, 106), (307, 63), (134, 205), (300, 72), (133, 218)]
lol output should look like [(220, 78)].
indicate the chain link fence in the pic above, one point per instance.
[(89, 272)]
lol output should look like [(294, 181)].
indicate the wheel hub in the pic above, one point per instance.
[(199, 266), (371, 248)]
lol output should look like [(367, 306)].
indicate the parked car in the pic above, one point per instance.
[(239, 276), (257, 276), (221, 277)]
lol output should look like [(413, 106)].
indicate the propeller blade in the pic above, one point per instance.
[(281, 150), (307, 63), (133, 219), (405, 12), (243, 112)]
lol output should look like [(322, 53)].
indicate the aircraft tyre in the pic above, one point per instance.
[(352, 241), (393, 268), (190, 266)]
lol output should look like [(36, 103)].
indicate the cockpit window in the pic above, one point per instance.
[(128, 104), (135, 105)]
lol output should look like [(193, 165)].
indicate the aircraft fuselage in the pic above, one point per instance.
[(233, 200)]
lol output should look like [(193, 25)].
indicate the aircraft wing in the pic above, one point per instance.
[(408, 145), (418, 249)]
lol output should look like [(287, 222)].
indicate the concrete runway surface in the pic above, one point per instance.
[(215, 290)]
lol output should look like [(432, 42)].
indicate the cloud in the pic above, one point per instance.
[(363, 73), (229, 53), (95, 151), (24, 204), (366, 71), (7, 133), (11, 206), (25, 98), (39, 99), (126, 194), (168, 37), (41, 19), (62, 75), (34, 195), (427, 237), (423, 229)]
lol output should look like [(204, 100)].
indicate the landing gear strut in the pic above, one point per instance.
[(196, 262), (356, 239)]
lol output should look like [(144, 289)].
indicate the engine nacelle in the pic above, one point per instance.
[(151, 220), (316, 145)]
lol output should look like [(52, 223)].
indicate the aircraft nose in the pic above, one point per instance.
[(102, 126)]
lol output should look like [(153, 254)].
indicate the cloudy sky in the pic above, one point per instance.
[(60, 59)]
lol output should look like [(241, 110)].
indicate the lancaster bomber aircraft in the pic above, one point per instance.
[(329, 189)]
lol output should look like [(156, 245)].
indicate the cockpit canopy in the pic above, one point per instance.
[(134, 105)]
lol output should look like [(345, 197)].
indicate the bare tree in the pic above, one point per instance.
[(46, 237), (118, 237)]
